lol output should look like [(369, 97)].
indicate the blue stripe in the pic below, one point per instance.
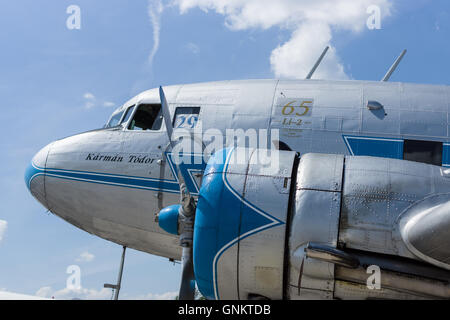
[(445, 155), (132, 182), (374, 147), (32, 172)]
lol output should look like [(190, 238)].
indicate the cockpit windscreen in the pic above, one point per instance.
[(115, 119)]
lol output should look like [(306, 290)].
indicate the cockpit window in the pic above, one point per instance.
[(127, 115), (115, 120), (147, 117)]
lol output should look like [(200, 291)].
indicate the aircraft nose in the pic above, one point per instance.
[(35, 175)]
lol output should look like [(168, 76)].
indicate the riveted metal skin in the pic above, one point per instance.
[(315, 219), (392, 212), (381, 197)]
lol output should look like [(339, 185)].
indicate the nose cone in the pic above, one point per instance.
[(35, 175)]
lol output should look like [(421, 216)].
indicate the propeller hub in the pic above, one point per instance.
[(168, 219)]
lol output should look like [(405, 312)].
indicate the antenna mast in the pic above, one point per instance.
[(393, 67), (310, 74)]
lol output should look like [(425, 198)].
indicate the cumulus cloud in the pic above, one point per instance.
[(155, 9), (71, 294), (311, 23), (85, 257), (3, 227)]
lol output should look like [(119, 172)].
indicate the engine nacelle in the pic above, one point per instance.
[(271, 225), (240, 224)]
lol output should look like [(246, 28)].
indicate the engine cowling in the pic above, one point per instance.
[(273, 225), (240, 225)]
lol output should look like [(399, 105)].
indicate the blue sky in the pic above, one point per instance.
[(55, 82)]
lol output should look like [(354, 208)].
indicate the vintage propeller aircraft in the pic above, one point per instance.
[(357, 181)]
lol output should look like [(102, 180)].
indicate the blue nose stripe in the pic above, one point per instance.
[(32, 172)]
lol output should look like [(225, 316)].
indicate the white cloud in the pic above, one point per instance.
[(70, 294), (109, 104), (192, 47), (44, 292), (311, 23), (5, 295), (85, 257), (91, 101), (155, 9), (3, 227), (89, 105), (295, 58), (89, 96), (103, 294), (154, 296)]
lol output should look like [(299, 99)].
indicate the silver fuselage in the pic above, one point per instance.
[(113, 182)]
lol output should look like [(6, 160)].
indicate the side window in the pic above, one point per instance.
[(147, 117), (423, 151), (186, 117)]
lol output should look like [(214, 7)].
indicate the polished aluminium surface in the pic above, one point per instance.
[(112, 182), (315, 219), (118, 200), (380, 209)]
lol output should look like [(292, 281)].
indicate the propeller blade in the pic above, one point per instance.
[(168, 121), (166, 115), (187, 288), (185, 216)]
